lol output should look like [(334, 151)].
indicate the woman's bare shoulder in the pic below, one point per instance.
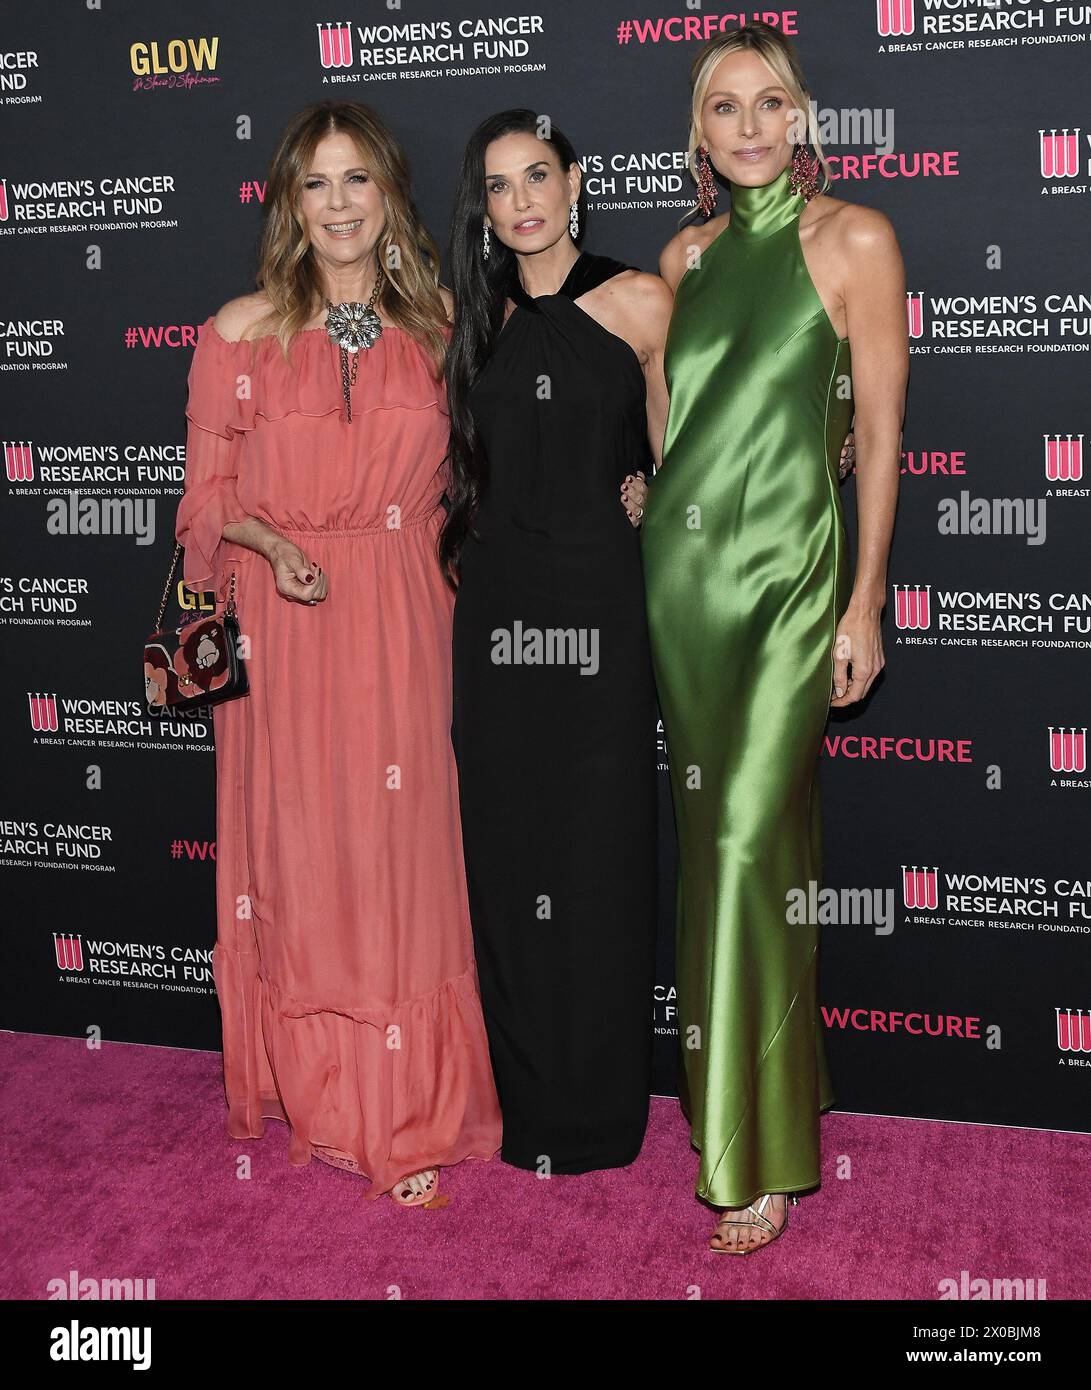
[(677, 256), (235, 320), (641, 295), (851, 227)]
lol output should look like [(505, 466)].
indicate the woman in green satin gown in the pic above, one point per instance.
[(752, 612)]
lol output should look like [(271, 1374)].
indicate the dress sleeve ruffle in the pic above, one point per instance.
[(234, 384), (209, 502), (210, 499)]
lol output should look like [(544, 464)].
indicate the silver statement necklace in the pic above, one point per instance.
[(352, 327)]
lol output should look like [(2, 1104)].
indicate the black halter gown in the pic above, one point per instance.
[(553, 730)]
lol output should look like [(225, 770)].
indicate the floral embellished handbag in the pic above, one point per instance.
[(197, 663)]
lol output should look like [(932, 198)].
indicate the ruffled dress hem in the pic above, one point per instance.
[(336, 1066)]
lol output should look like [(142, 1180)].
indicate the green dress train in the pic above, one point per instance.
[(746, 576)]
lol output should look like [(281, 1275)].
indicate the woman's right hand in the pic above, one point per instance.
[(297, 577)]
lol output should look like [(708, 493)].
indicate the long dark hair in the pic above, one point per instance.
[(480, 288)]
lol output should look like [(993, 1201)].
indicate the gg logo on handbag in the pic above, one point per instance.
[(196, 663)]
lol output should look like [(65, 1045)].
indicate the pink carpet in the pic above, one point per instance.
[(118, 1167)]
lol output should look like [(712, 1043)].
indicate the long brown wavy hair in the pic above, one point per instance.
[(409, 257)]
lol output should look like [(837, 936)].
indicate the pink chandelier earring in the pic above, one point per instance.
[(806, 173), (706, 183)]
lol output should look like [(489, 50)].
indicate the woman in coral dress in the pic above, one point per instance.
[(344, 961)]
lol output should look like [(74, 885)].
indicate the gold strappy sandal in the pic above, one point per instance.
[(758, 1220)]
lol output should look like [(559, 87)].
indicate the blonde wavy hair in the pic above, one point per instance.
[(288, 273), (779, 56)]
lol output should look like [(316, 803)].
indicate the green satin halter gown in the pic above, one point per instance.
[(746, 576)]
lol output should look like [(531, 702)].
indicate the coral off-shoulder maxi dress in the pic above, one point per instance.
[(344, 958)]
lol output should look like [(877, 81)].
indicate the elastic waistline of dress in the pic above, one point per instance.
[(349, 532)]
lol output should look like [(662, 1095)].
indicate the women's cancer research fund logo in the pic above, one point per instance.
[(1074, 1030), (1067, 750), (335, 45), (1059, 152), (894, 18)]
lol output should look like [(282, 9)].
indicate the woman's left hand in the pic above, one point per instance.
[(859, 646), (634, 494)]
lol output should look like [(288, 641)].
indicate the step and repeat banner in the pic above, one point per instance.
[(134, 143)]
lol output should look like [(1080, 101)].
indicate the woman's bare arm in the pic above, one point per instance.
[(874, 296)]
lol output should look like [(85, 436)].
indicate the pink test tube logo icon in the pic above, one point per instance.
[(19, 460), (920, 887), (912, 607), (335, 45), (894, 17), (1074, 1030), (1067, 750), (1064, 458), (69, 951), (1060, 153), (43, 712)]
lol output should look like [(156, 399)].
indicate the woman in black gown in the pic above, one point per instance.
[(557, 404)]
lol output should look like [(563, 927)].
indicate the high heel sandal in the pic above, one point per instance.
[(759, 1222)]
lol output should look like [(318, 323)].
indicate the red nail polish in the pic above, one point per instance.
[(308, 579)]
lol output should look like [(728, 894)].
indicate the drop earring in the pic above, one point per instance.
[(485, 242), (573, 220), (706, 184), (804, 176)]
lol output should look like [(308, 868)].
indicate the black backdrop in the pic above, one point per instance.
[(135, 138)]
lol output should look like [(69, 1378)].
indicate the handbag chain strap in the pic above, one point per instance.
[(230, 609)]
